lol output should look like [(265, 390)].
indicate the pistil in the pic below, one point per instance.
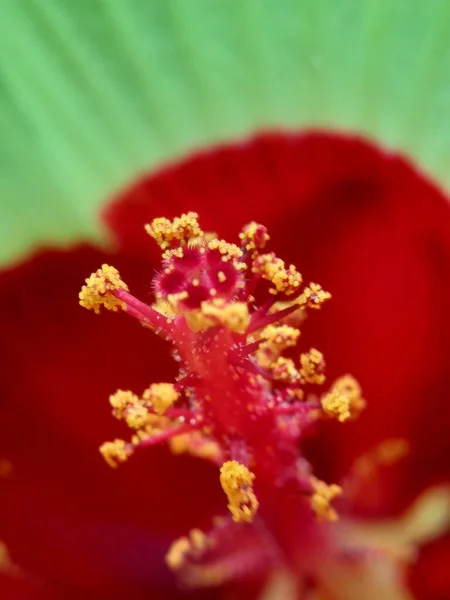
[(239, 400)]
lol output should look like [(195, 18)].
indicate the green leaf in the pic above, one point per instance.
[(95, 92)]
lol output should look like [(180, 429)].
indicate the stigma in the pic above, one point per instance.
[(245, 393)]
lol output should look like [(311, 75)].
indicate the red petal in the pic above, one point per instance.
[(430, 579), (18, 587)]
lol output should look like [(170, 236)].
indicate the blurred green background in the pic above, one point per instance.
[(95, 92)]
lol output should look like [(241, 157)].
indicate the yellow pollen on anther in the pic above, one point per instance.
[(194, 545), (115, 452), (254, 237), (198, 539), (312, 366), (336, 405), (195, 444), (344, 400), (313, 296), (237, 483), (197, 321), (323, 495), (279, 337), (176, 555), (161, 396), (175, 299), (121, 400), (96, 292), (182, 229), (274, 340), (273, 269), (137, 416), (284, 369), (164, 307), (229, 252), (142, 435), (232, 315)]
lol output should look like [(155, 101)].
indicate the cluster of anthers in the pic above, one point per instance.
[(244, 396)]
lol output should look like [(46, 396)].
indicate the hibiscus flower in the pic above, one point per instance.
[(365, 224)]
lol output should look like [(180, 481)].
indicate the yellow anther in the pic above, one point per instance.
[(181, 444), (198, 321), (174, 301), (254, 237), (195, 444), (187, 547), (131, 408), (267, 265), (140, 436), (137, 416), (182, 229), (237, 481), (344, 400), (279, 337), (175, 557), (233, 316), (164, 307), (96, 292), (287, 280), (348, 385), (273, 269), (275, 339), (284, 369), (157, 423), (199, 540), (336, 405), (115, 452), (229, 252), (161, 396), (296, 393), (121, 400), (313, 296), (312, 366), (323, 495)]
